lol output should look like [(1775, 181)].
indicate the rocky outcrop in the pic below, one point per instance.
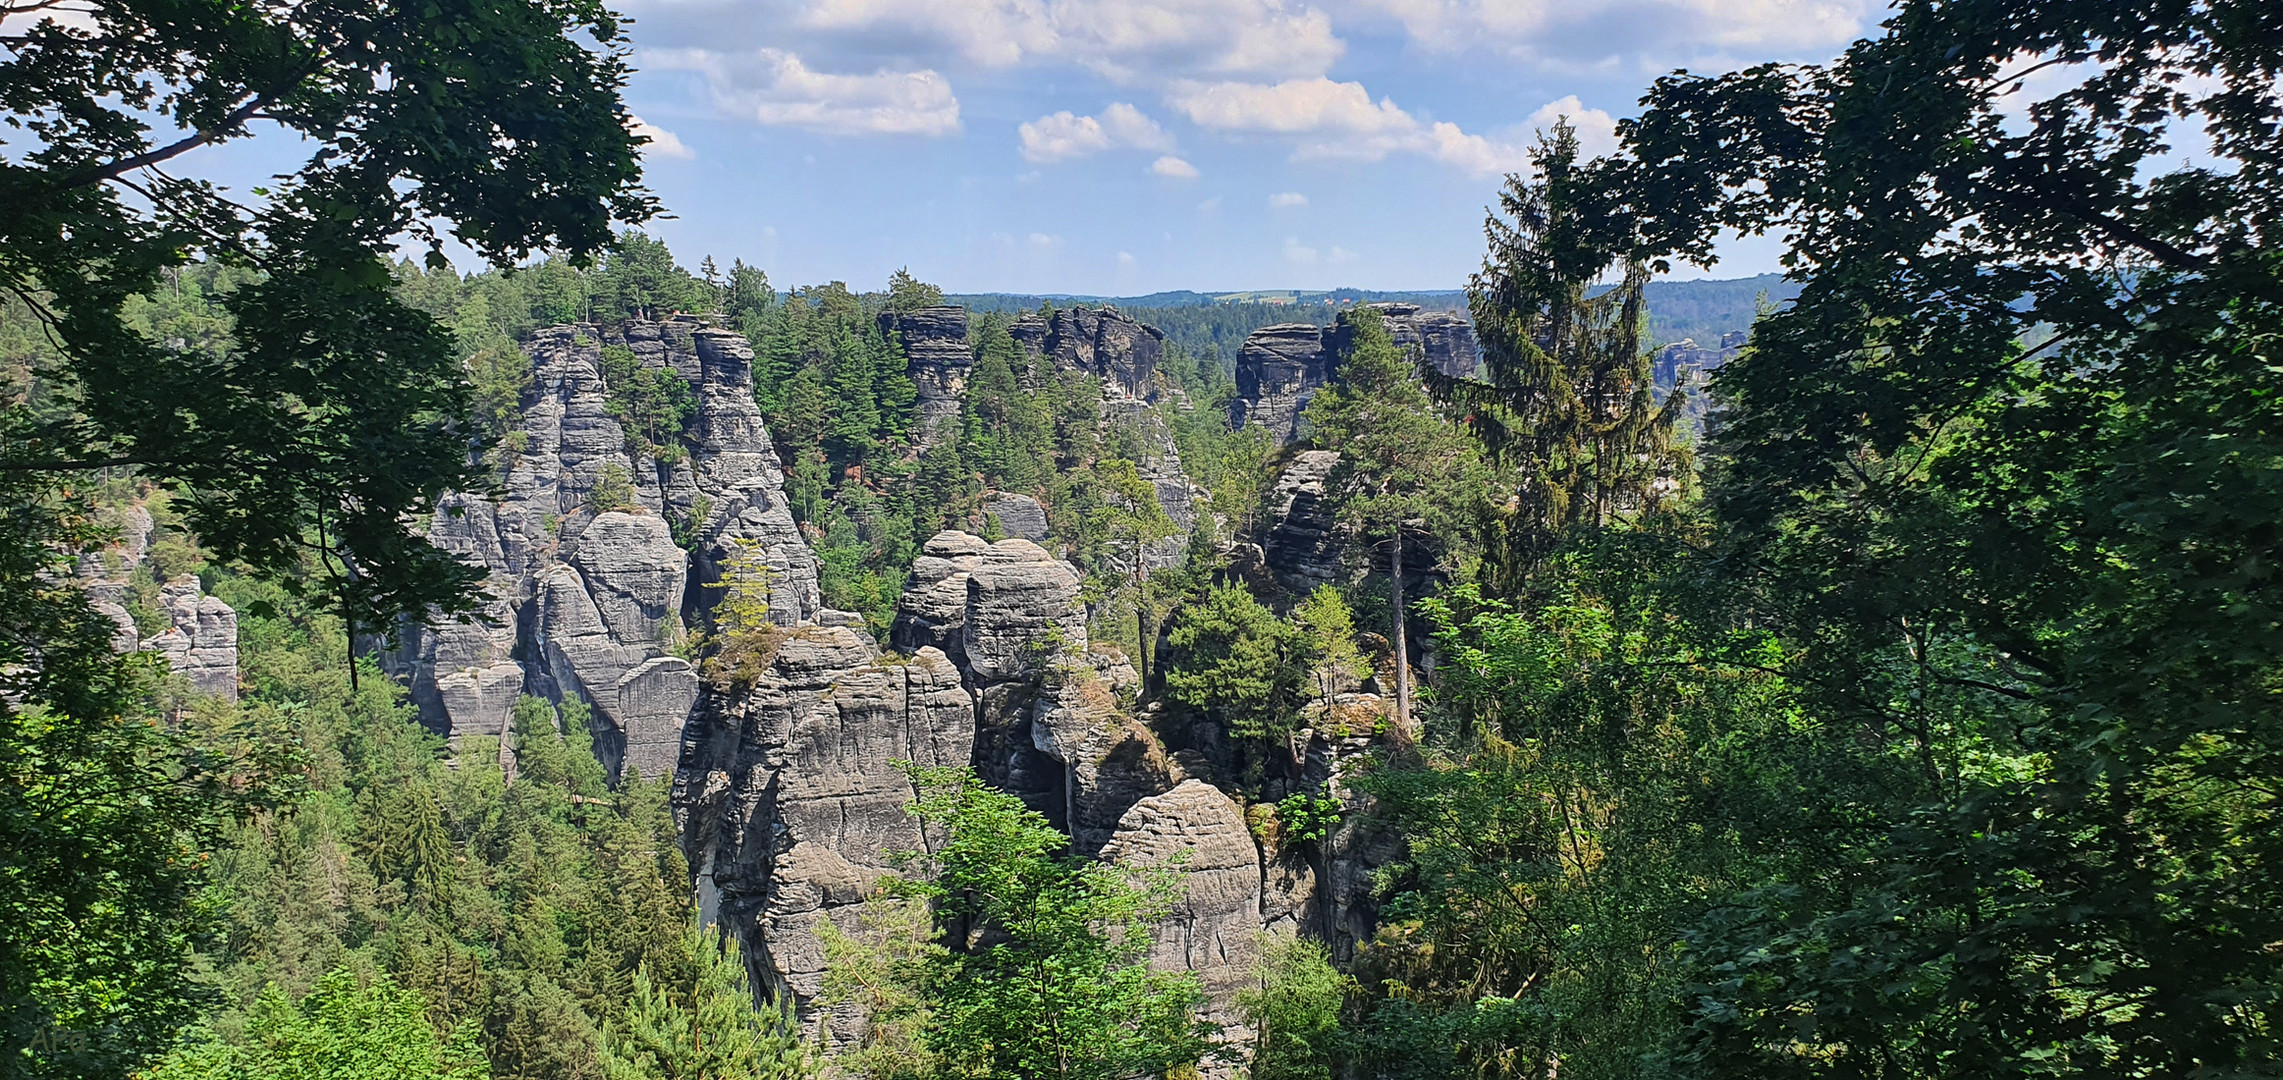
[(1279, 368), (589, 600), (1214, 928), (198, 634), (202, 643), (937, 358), (1302, 546), (799, 807), (1019, 515), (1098, 341)]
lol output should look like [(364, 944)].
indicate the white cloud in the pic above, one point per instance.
[(1210, 205), (1065, 135), (1125, 260), (1295, 251), (1283, 199), (1173, 167), (1339, 120), (1297, 105), (662, 142), (774, 87), (1341, 255), (1654, 34), (1120, 39), (1596, 129), (1042, 240)]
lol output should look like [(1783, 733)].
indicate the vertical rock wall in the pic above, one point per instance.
[(1279, 368), (590, 601)]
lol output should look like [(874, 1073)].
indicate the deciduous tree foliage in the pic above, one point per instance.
[(2003, 478), (1054, 982), (339, 1029), (315, 414)]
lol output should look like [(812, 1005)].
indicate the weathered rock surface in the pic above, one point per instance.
[(1279, 368), (798, 807), (1303, 546), (1098, 341), (202, 645), (1214, 929), (1019, 515), (937, 358), (200, 637), (589, 600)]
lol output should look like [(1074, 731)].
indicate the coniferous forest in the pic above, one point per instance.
[(591, 660)]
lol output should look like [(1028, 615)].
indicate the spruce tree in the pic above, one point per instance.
[(1404, 470), (1564, 394)]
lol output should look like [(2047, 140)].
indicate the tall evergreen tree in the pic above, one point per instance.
[(1404, 470), (1564, 395), (710, 1029)]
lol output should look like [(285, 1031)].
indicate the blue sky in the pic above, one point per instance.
[(1126, 146)]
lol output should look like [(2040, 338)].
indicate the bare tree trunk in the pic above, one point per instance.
[(1402, 641), (1141, 617)]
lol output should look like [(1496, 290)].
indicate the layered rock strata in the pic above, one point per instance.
[(588, 600), (200, 637), (938, 359), (796, 808), (1098, 341), (1279, 368), (1124, 354)]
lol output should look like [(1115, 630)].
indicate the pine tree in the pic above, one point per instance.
[(1403, 468), (1328, 638), (710, 1029), (1131, 520)]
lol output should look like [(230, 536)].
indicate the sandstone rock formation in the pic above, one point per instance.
[(589, 600), (1302, 545), (1214, 929), (797, 808), (202, 643), (1098, 341), (1124, 354), (1019, 515), (1280, 367), (937, 358), (199, 637)]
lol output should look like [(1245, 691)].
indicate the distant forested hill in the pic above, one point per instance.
[(1217, 323), (1703, 310)]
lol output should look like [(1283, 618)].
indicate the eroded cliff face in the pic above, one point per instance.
[(199, 633), (791, 805), (790, 802), (1279, 368), (938, 359), (590, 601)]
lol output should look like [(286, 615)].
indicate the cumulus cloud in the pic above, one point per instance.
[(1173, 167), (1596, 129), (1283, 199), (1296, 105), (663, 143), (1063, 135), (1297, 252), (1656, 34), (774, 87), (1124, 40), (1339, 120)]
